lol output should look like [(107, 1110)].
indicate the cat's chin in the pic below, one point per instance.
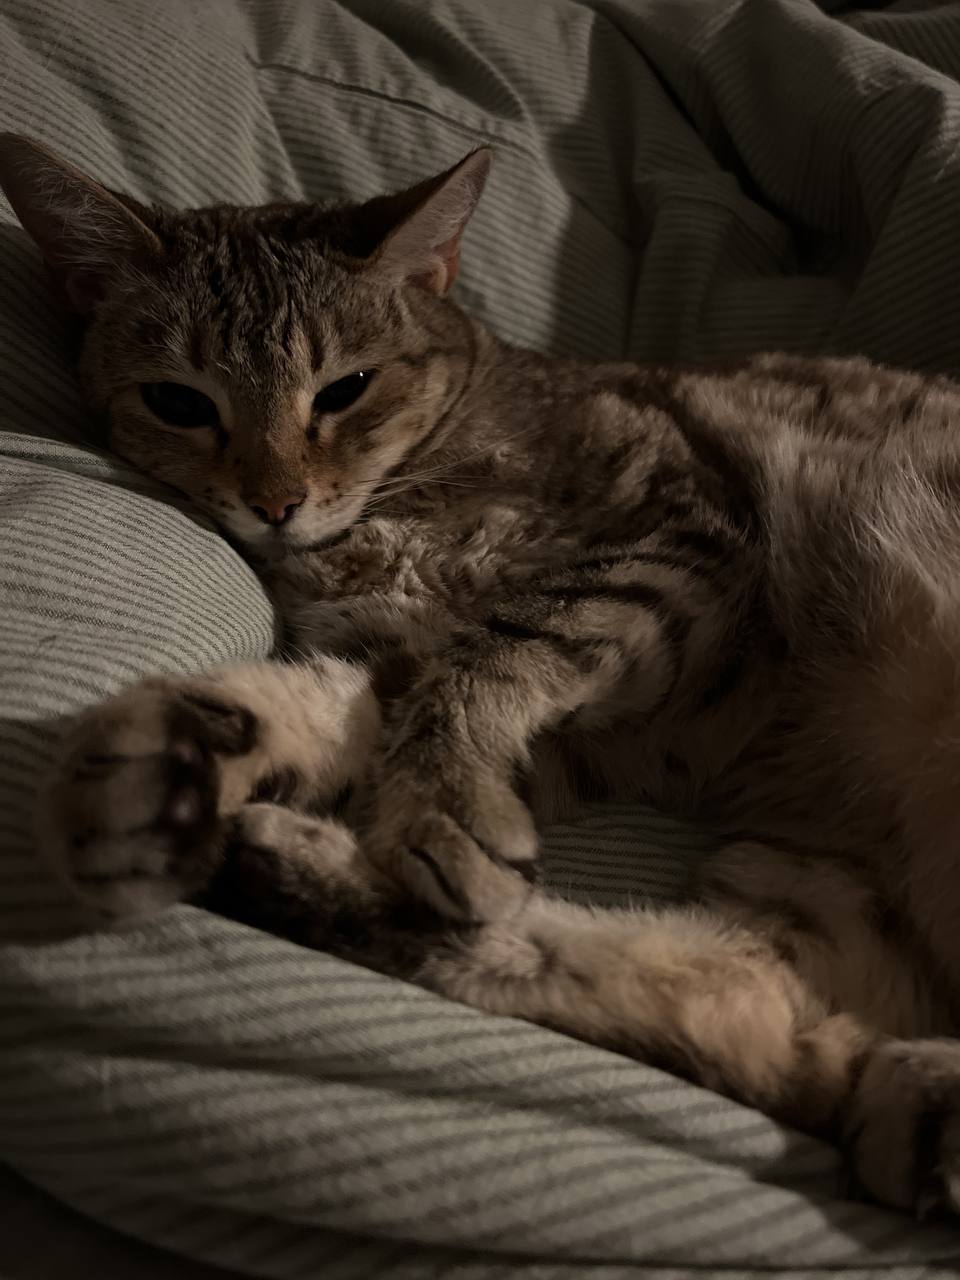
[(276, 545)]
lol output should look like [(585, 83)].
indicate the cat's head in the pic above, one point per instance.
[(276, 364)]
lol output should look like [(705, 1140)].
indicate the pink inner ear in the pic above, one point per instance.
[(442, 275)]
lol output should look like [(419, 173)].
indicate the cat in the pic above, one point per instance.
[(511, 581)]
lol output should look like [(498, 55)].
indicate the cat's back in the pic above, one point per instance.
[(823, 443), (763, 415), (829, 400)]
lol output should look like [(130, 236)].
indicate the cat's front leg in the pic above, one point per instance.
[(450, 822), (449, 827), (134, 815), (584, 648)]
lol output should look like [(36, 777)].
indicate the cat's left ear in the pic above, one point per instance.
[(425, 223), (81, 228)]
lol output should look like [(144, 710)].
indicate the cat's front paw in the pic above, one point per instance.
[(469, 856), (903, 1132), (132, 816)]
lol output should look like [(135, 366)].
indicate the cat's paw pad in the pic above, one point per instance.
[(903, 1133), (131, 816), (470, 868)]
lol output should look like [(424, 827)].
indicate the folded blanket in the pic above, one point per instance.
[(675, 179)]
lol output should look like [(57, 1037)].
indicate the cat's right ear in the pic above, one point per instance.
[(417, 231), (81, 229)]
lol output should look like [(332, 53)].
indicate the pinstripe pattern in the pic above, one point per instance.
[(280, 1113)]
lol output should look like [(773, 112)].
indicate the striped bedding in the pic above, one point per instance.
[(675, 179)]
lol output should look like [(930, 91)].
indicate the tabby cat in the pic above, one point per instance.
[(510, 582)]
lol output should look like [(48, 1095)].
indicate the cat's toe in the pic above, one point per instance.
[(903, 1131), (278, 830)]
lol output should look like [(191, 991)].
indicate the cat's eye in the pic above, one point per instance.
[(342, 393), (179, 406)]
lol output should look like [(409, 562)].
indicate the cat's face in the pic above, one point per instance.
[(276, 365), (266, 380)]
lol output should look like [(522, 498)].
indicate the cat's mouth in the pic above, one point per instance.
[(306, 531)]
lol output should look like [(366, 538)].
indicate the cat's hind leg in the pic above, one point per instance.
[(134, 814), (780, 1006), (724, 995), (682, 988)]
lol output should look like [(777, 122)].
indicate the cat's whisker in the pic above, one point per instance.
[(412, 484), (443, 468), (407, 482), (379, 497)]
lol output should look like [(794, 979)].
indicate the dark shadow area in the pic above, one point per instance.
[(41, 1239), (782, 181)]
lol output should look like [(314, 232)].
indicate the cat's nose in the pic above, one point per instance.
[(275, 510)]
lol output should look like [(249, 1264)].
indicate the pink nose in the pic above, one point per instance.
[(275, 510)]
